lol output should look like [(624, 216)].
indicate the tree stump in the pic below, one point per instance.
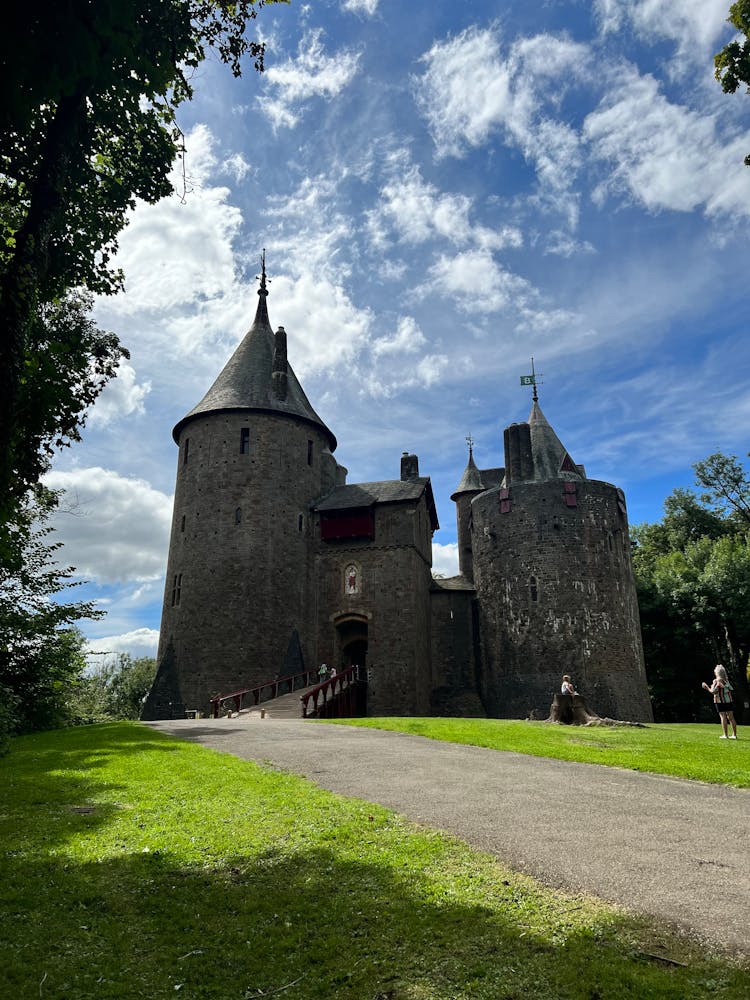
[(571, 710)]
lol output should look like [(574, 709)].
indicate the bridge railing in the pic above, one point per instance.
[(338, 697), (263, 692)]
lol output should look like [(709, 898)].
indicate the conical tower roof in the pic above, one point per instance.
[(471, 480), (246, 382), (551, 458)]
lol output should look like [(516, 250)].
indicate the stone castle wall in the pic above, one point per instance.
[(556, 595), (239, 574)]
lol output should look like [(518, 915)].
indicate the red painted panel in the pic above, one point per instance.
[(347, 524)]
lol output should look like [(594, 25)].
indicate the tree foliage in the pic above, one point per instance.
[(87, 126), (114, 690), (41, 651), (732, 64), (693, 576)]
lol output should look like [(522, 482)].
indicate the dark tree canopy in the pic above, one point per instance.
[(732, 64), (87, 126)]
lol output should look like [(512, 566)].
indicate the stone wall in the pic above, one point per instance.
[(240, 561), (556, 595)]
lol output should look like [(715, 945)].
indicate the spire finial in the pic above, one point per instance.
[(470, 442), (263, 290), (531, 380)]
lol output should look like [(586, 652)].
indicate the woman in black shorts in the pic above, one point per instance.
[(723, 694)]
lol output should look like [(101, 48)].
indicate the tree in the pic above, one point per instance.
[(87, 126), (732, 64), (693, 577), (41, 651), (114, 690)]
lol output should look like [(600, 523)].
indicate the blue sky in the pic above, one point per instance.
[(443, 190)]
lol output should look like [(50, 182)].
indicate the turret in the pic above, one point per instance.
[(469, 487)]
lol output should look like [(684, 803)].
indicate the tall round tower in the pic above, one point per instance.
[(554, 584), (253, 455)]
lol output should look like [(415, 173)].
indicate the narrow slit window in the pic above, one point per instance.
[(309, 452), (533, 589), (186, 451), (182, 523), (300, 522), (238, 516), (176, 589), (244, 441)]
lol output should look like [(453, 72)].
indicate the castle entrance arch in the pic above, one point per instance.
[(351, 640)]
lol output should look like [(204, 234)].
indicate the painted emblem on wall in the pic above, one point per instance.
[(351, 580)]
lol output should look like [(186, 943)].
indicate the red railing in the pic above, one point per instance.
[(282, 685), (335, 698)]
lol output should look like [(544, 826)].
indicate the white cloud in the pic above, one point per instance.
[(114, 528), (121, 397), (311, 74), (177, 253), (445, 559), (407, 339), (665, 155), (693, 25), (416, 211), (367, 7), (469, 91), (237, 166), (477, 282), (139, 642)]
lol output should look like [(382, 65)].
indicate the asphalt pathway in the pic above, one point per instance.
[(673, 849)]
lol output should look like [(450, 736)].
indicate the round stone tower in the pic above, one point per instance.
[(253, 456), (555, 587)]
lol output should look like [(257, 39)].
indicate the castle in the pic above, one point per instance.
[(277, 564)]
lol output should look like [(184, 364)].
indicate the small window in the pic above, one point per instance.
[(533, 589), (309, 452), (186, 451), (182, 523), (176, 589), (238, 516), (244, 441), (300, 522)]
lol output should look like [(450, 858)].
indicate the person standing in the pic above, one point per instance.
[(723, 694)]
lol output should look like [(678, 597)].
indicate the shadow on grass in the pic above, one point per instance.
[(142, 926), (364, 913)]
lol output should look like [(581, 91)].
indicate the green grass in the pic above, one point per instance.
[(134, 865), (681, 750)]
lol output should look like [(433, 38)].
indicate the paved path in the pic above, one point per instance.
[(674, 849)]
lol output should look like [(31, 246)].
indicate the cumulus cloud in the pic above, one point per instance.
[(123, 396), (367, 7), (662, 154), (138, 642), (445, 559), (415, 211), (476, 282), (312, 74), (116, 527), (407, 339), (693, 25), (471, 90)]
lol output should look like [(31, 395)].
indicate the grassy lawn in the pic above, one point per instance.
[(685, 751), (134, 865)]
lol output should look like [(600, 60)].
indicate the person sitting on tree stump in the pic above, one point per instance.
[(567, 685)]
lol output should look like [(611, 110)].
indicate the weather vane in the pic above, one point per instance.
[(531, 380), (262, 275), (470, 442)]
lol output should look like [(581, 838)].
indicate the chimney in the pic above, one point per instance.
[(279, 377), (409, 467)]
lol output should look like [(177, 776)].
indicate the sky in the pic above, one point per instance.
[(444, 191)]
